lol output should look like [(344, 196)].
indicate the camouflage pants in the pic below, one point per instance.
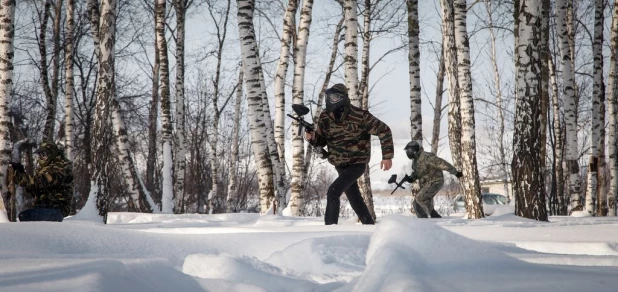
[(423, 203)]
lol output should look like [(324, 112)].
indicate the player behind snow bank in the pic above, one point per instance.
[(347, 130), (427, 169), (51, 185)]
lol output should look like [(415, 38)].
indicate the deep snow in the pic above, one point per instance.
[(248, 252)]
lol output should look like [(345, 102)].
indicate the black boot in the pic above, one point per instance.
[(435, 214), (420, 213)]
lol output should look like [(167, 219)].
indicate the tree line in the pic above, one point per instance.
[(153, 127)]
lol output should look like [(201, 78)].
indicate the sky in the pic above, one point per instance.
[(248, 252)]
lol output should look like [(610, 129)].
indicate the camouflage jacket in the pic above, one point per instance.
[(349, 139), (51, 185), (428, 168)]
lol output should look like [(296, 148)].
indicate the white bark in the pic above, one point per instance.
[(527, 166), (252, 69), (612, 95), (280, 77), (180, 149), (470, 181), (232, 194), (68, 104), (166, 118), (598, 116), (7, 50), (298, 92), (570, 106), (416, 119), (351, 51), (450, 63)]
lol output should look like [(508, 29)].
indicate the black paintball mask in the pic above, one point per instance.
[(413, 149), (336, 98)]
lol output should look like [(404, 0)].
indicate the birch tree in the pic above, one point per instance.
[(69, 84), (166, 118), (351, 51), (252, 68), (153, 116), (282, 69), (612, 96), (450, 62), (470, 183), (7, 51), (596, 162), (437, 107), (232, 187), (527, 166), (298, 92), (214, 129), (51, 91), (570, 107), (416, 119), (180, 149)]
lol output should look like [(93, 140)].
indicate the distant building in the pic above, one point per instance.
[(502, 186)]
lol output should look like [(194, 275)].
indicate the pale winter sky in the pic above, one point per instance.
[(247, 252)]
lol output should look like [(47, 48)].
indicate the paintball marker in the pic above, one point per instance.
[(406, 178), (300, 111)]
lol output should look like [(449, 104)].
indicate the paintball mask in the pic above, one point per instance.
[(336, 98), (47, 151), (413, 149)]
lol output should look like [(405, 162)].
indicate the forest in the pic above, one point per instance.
[(179, 106)]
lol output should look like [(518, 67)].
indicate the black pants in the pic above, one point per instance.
[(346, 182)]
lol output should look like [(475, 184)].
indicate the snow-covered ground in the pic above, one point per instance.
[(248, 252)]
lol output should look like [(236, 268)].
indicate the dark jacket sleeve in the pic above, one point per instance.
[(442, 164), (380, 129)]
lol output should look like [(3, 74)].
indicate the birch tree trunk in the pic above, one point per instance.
[(612, 95), (280, 77), (7, 51), (153, 117), (364, 182), (570, 107), (351, 51), (470, 182), (450, 62), (414, 69), (527, 165), (48, 132), (180, 149), (437, 109), (104, 35), (252, 68), (166, 118), (597, 139), (232, 194), (560, 205), (499, 103), (69, 85), (214, 132), (298, 93)]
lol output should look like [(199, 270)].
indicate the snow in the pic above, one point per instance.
[(249, 252)]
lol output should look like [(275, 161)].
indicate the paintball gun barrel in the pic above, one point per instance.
[(406, 178), (300, 111)]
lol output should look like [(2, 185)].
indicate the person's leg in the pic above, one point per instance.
[(356, 199), (424, 199), (420, 213), (347, 176)]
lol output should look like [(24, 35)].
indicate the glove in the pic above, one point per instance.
[(459, 174), (18, 167)]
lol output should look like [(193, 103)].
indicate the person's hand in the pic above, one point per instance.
[(386, 164), (18, 167), (309, 136), (459, 174)]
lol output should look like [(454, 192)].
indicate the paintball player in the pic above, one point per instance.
[(51, 185), (347, 130), (427, 169)]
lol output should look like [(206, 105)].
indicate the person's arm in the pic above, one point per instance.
[(380, 129), (442, 164), (316, 138)]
